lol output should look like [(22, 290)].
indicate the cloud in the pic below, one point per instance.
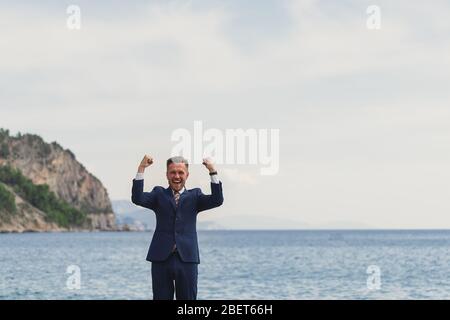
[(236, 177), (344, 98), (174, 48)]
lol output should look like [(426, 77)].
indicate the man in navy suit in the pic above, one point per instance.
[(174, 248)]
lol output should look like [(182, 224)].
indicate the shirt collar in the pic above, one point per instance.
[(181, 191)]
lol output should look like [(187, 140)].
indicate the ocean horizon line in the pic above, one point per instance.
[(231, 230)]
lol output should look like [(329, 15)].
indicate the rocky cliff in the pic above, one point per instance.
[(50, 164)]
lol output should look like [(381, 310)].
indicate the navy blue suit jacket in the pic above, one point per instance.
[(175, 225)]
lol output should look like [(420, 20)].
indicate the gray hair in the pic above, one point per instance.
[(178, 159)]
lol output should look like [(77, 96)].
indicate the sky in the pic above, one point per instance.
[(362, 113)]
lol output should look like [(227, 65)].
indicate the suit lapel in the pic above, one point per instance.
[(169, 194), (183, 196)]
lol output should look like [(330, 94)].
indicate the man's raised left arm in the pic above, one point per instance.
[(214, 200)]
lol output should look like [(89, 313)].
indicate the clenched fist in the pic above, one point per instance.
[(146, 161), (209, 164)]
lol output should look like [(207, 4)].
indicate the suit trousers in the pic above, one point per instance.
[(174, 275)]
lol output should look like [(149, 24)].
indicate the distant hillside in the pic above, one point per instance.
[(43, 187), (138, 218), (129, 216), (132, 217)]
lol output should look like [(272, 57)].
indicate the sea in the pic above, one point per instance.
[(267, 265)]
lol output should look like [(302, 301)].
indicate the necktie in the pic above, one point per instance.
[(176, 195)]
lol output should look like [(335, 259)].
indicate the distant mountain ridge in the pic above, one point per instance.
[(138, 218), (77, 191), (135, 218)]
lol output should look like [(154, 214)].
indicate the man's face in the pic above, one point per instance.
[(177, 175)]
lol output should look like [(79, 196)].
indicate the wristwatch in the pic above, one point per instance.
[(213, 173)]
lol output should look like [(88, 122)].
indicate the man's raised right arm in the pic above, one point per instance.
[(138, 196)]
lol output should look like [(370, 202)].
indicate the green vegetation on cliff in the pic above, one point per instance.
[(39, 196), (7, 202)]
